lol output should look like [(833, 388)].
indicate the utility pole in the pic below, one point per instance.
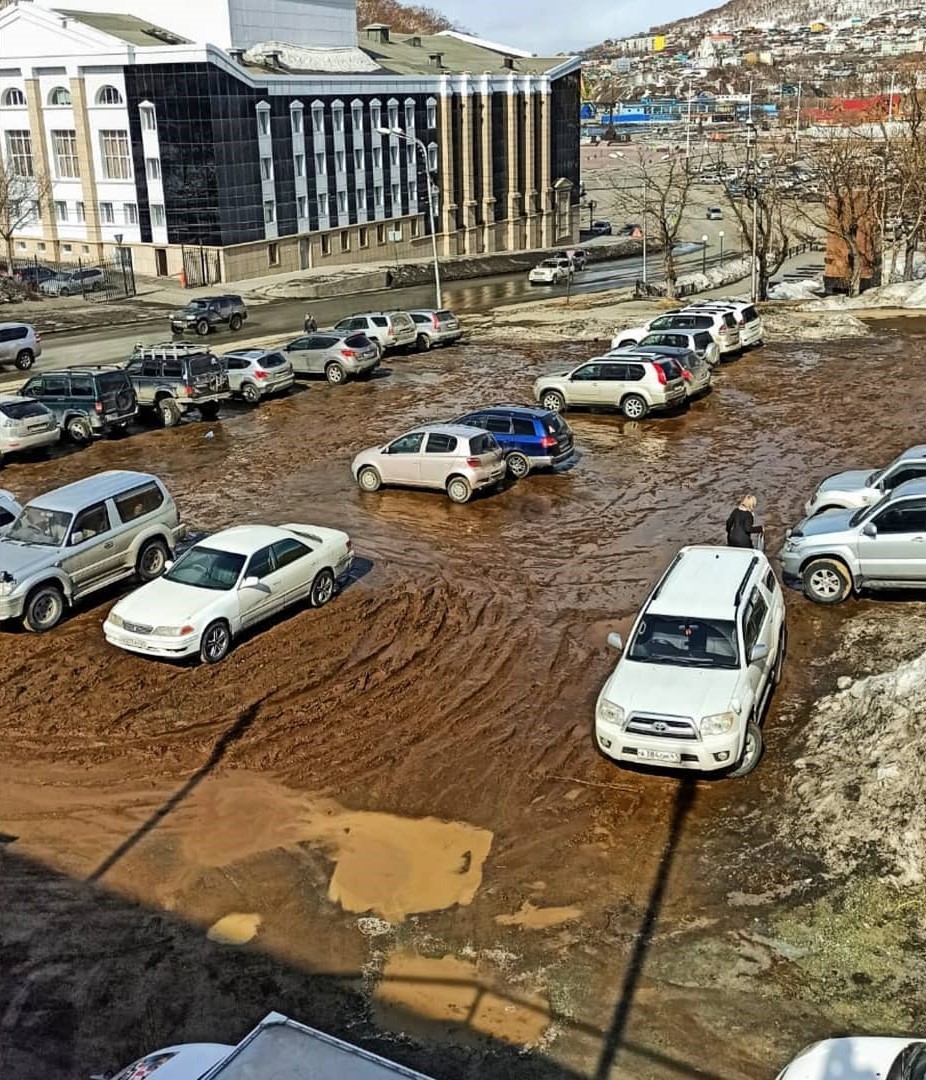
[(688, 125), (749, 117), (644, 229), (752, 192), (797, 115)]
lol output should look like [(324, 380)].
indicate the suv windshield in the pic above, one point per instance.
[(207, 568), (670, 639), (36, 525)]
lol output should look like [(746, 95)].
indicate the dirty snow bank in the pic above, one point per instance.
[(808, 289), (905, 294), (861, 784)]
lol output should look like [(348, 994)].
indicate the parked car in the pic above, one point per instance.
[(748, 319), (875, 547), (172, 379), (208, 313), (86, 402), (530, 438), (257, 373), (703, 657), (9, 510), (600, 228), (337, 354), (578, 257), (863, 1057), (714, 213), (83, 537), (636, 387), (721, 325), (435, 328), (862, 487), (699, 342), (389, 329), (450, 457), (632, 228), (33, 274), (551, 272), (225, 585), (20, 344), (73, 282), (695, 371), (25, 425)]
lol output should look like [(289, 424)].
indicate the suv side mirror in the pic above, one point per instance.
[(870, 529), (76, 538), (251, 582), (615, 641), (758, 652)]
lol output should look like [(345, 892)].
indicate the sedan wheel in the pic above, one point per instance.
[(322, 589), (518, 466), (215, 643), (369, 479), (458, 490), (553, 400), (334, 373)]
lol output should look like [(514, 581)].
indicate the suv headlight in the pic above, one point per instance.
[(718, 724), (115, 619), (7, 585), (609, 713)]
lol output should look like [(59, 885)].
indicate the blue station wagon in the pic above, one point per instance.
[(530, 437)]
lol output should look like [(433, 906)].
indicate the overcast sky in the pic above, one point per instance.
[(548, 27)]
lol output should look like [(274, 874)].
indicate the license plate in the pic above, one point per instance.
[(660, 755), (135, 643)]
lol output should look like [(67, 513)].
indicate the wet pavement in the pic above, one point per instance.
[(400, 791)]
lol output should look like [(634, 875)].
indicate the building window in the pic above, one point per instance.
[(157, 215), (80, 212), (432, 113), (337, 116), (409, 114), (393, 114), (273, 254), (410, 149), (67, 248), (318, 119), (59, 96), (376, 116), (381, 234), (356, 113), (117, 159), (266, 168), (432, 157), (40, 245), (270, 212), (20, 245), (322, 206), (321, 165), (153, 168), (396, 195), (302, 206), (362, 200), (35, 210), (148, 121), (61, 211), (394, 155), (412, 191), (363, 236), (263, 121), (108, 95), (378, 197), (107, 217), (377, 157), (358, 158), (13, 98), (345, 241), (130, 213), (296, 117), (339, 161), (326, 245), (19, 153), (299, 162), (64, 152), (342, 202), (85, 248)]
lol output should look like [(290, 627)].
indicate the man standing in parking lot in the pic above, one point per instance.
[(741, 526), (309, 324)]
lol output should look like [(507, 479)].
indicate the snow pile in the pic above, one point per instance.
[(808, 289), (717, 276), (340, 61), (909, 295), (861, 786)]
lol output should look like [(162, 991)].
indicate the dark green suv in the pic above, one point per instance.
[(86, 401)]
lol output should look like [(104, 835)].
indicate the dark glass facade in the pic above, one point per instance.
[(564, 128)]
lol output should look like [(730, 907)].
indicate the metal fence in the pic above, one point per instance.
[(201, 266), (111, 278)]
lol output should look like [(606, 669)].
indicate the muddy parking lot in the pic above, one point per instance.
[(387, 818)]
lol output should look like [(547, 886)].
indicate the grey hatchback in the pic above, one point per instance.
[(336, 354), (86, 401)]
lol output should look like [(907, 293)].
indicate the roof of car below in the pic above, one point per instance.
[(704, 581), (913, 452), (245, 539), (533, 411), (103, 369), (104, 485), (250, 354), (461, 431)]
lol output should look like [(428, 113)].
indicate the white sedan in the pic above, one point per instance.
[(861, 1058), (227, 583)]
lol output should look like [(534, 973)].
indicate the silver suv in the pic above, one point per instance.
[(862, 487), (875, 547), (20, 344), (636, 386), (83, 537), (435, 328), (389, 329), (699, 341), (173, 378), (257, 373), (25, 425), (451, 457), (338, 355)]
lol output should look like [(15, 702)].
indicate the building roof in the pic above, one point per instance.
[(127, 28), (400, 55)]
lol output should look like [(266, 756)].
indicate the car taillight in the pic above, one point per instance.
[(98, 405), (660, 374), (686, 374), (435, 322), (348, 354), (260, 374), (473, 462), (189, 391), (38, 336), (547, 441), (723, 330)]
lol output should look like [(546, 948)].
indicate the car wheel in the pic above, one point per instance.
[(202, 328), (369, 479), (458, 490), (96, 286), (44, 609), (25, 358), (78, 430), (234, 323), (826, 581), (753, 746), (518, 465), (151, 560), (634, 407), (553, 400), (169, 412), (64, 292), (209, 410), (215, 642), (422, 343), (322, 588), (250, 393), (334, 373)]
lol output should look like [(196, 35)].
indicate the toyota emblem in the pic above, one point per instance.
[(660, 726)]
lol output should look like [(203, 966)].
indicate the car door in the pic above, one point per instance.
[(297, 564), (90, 557), (612, 382), (897, 550), (401, 461), (438, 458), (260, 601), (52, 391), (584, 388), (756, 630), (500, 426)]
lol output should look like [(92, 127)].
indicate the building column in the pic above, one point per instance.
[(515, 224), (532, 238), (85, 162), (488, 191), (41, 166), (466, 149), (544, 181), (448, 207)]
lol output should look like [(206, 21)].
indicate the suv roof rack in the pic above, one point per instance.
[(739, 592), (172, 349)]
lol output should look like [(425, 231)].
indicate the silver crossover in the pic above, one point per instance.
[(257, 373), (25, 425), (339, 355)]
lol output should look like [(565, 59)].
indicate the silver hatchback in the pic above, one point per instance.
[(336, 354), (454, 458), (256, 373)]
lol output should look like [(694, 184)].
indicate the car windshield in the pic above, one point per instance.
[(207, 568), (671, 639), (35, 525), (910, 1063)]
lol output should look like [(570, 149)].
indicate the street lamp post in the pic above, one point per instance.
[(720, 238), (399, 134), (704, 239)]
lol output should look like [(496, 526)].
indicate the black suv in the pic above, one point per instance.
[(209, 312), (530, 437), (86, 401), (172, 378)]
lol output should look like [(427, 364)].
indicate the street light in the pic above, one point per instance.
[(720, 237), (617, 154), (399, 134), (704, 239)]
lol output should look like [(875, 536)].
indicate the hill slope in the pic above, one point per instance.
[(738, 14)]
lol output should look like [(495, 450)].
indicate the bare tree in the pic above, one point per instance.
[(20, 199), (903, 208)]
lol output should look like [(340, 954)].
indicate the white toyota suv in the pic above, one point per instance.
[(704, 655)]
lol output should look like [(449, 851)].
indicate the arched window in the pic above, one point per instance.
[(108, 95), (13, 97), (60, 96)]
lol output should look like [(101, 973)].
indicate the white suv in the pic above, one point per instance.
[(704, 655), (722, 326), (748, 318), (637, 385)]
